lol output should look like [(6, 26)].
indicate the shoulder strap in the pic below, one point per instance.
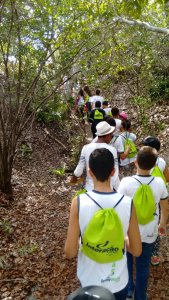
[(157, 161), (94, 201), (141, 182), (100, 205), (115, 138), (123, 136)]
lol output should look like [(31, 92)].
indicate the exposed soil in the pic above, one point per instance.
[(33, 229)]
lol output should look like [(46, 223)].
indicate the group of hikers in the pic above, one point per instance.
[(116, 224)]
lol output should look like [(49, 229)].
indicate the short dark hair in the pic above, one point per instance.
[(111, 121), (105, 102), (98, 103), (146, 158), (101, 163), (126, 124), (115, 111), (97, 92), (152, 142)]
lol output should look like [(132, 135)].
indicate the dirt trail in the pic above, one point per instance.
[(33, 231)]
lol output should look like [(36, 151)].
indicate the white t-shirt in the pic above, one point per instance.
[(84, 163), (113, 276), (95, 98), (80, 101), (161, 164), (118, 126), (131, 136), (128, 187), (108, 111), (116, 142)]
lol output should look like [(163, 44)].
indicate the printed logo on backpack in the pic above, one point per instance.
[(133, 149), (144, 203), (103, 239)]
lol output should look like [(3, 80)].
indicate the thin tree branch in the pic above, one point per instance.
[(141, 24)]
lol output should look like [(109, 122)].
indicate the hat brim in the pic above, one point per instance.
[(105, 133)]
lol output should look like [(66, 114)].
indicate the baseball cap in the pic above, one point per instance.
[(123, 115)]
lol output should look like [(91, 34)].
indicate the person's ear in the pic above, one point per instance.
[(112, 172), (136, 163), (90, 172)]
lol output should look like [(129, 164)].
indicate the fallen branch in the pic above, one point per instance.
[(12, 279), (54, 139)]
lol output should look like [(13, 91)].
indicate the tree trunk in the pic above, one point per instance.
[(5, 174)]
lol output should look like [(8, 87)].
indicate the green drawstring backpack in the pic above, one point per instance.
[(156, 172), (98, 115), (144, 203), (103, 238), (133, 149)]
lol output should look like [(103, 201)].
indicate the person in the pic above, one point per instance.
[(96, 97), (146, 159), (88, 96), (96, 116), (91, 293), (79, 105), (123, 116), (154, 142), (116, 141), (107, 108), (115, 115), (111, 275), (104, 132), (127, 164)]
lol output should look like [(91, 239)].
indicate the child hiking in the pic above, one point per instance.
[(129, 186), (99, 261), (96, 116), (160, 170), (128, 139)]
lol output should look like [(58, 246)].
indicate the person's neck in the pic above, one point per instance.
[(143, 172), (103, 187), (101, 140)]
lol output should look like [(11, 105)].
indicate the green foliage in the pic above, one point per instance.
[(160, 89), (27, 249), (60, 171), (26, 151), (6, 227), (142, 104), (52, 111)]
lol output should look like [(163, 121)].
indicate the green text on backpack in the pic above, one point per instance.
[(144, 203), (156, 172), (133, 149), (103, 239)]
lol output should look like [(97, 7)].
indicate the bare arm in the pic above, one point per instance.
[(164, 216), (134, 245), (166, 173), (71, 244), (125, 153)]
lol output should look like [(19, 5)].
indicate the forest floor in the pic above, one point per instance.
[(33, 229)]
